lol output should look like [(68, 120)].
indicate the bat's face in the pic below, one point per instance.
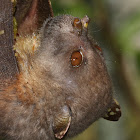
[(77, 66), (62, 86)]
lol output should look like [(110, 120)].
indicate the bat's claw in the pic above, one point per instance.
[(114, 112)]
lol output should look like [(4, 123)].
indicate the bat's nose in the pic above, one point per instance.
[(85, 21), (81, 23)]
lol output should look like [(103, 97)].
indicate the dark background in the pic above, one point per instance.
[(115, 24)]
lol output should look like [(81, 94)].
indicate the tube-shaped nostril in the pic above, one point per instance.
[(85, 21)]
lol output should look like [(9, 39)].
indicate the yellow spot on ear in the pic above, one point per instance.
[(1, 32), (112, 113), (86, 25)]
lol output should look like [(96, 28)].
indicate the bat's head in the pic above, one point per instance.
[(71, 68), (76, 63)]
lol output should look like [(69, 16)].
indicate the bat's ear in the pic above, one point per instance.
[(114, 112), (31, 14), (61, 122)]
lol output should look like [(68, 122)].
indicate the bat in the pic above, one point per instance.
[(53, 79)]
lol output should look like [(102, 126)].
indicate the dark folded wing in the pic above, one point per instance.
[(30, 15), (8, 66)]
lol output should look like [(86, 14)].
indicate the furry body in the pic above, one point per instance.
[(47, 82)]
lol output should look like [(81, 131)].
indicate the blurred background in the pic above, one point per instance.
[(115, 25)]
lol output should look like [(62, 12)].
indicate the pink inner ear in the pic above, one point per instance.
[(33, 9), (37, 13), (29, 23)]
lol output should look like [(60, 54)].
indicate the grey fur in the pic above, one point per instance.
[(29, 106)]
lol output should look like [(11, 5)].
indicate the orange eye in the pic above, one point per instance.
[(76, 58)]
